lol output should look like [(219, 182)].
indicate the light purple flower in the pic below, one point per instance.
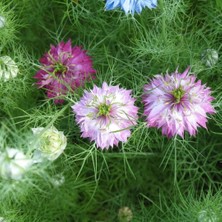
[(64, 69), (177, 103), (106, 114)]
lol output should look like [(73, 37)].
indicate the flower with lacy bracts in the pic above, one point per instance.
[(64, 69), (130, 6), (106, 114), (50, 143), (177, 103), (13, 164)]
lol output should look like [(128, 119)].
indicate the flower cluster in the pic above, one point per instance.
[(50, 145), (175, 102), (64, 69)]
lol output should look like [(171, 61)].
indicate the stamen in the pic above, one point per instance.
[(104, 109), (178, 94)]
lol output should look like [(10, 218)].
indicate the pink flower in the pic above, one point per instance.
[(106, 114), (177, 103), (64, 69)]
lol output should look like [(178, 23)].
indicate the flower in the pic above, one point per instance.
[(106, 114), (2, 22), (177, 103), (8, 68), (209, 57), (13, 164), (130, 6), (207, 216), (125, 214), (50, 143), (64, 69)]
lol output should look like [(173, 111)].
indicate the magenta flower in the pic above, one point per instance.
[(106, 114), (176, 103), (64, 69)]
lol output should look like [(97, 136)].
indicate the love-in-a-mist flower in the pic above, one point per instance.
[(130, 6), (105, 115), (14, 164), (176, 103), (50, 143), (64, 69), (8, 68)]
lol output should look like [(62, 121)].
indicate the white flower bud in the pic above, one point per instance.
[(8, 68), (207, 216), (2, 21), (51, 143), (13, 164), (125, 214), (209, 57), (58, 180)]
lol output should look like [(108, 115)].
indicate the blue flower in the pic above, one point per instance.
[(130, 6)]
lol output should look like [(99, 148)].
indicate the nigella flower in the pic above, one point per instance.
[(106, 114), (14, 163), (8, 68), (130, 6), (64, 69), (177, 103)]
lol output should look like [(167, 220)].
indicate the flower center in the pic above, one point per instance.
[(178, 94), (60, 68), (104, 109)]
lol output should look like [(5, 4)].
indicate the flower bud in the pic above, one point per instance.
[(58, 180), (125, 214), (51, 143), (209, 57), (207, 216), (2, 22), (8, 68)]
